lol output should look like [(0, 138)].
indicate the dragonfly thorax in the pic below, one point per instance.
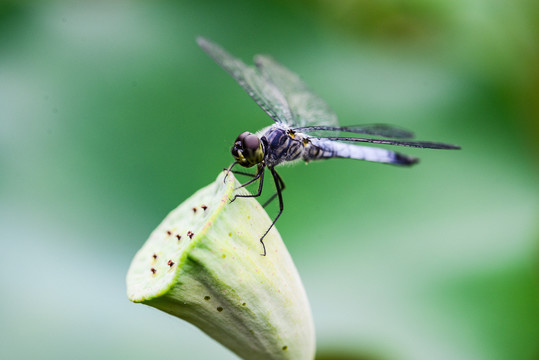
[(248, 149)]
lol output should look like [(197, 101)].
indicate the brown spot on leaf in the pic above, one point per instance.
[(153, 270), (219, 309), (169, 232), (285, 347), (178, 237), (207, 297), (195, 210), (170, 263), (190, 234), (154, 256), (204, 207)]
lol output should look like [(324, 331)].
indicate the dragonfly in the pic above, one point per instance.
[(305, 128)]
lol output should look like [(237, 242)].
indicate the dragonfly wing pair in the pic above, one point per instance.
[(289, 101)]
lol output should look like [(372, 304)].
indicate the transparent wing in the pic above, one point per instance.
[(418, 144), (332, 149), (263, 92), (306, 107), (384, 130)]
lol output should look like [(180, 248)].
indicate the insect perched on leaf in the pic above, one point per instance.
[(302, 123)]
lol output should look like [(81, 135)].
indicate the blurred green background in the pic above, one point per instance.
[(110, 116)]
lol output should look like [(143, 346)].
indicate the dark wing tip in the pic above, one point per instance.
[(436, 145)]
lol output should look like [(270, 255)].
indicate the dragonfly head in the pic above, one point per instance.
[(248, 149)]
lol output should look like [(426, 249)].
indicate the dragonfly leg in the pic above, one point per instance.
[(256, 176), (259, 175), (275, 195), (278, 183), (243, 173), (229, 169)]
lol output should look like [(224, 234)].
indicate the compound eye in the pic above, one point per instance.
[(242, 136), (251, 142)]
